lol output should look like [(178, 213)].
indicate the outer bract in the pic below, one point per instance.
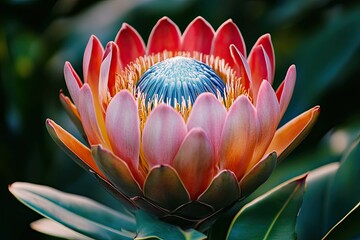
[(184, 126)]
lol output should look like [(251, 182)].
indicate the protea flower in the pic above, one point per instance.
[(185, 126)]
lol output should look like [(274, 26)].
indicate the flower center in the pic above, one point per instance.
[(179, 80)]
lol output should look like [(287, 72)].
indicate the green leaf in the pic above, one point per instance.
[(346, 228), (310, 222), (150, 228), (80, 214), (344, 192), (271, 216)]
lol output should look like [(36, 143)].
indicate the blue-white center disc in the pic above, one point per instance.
[(179, 78)]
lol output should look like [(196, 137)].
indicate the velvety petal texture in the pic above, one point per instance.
[(209, 114), (195, 158), (238, 138), (184, 161), (163, 134), (122, 124)]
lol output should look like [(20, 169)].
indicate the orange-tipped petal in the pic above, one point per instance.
[(89, 118), (238, 138), (285, 90), (71, 111), (73, 82), (209, 114), (268, 114), (228, 33), (242, 67), (292, 133), (91, 63), (122, 124), (109, 69), (163, 134), (73, 147), (117, 171), (164, 36), (260, 69), (265, 41), (195, 158), (130, 43), (198, 36)]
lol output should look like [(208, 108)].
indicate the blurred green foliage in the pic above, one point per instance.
[(321, 37)]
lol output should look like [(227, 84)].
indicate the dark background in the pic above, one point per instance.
[(322, 37)]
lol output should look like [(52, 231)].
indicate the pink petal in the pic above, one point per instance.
[(122, 124), (195, 162), (285, 90), (209, 114), (109, 69), (242, 67), (265, 41), (73, 82), (238, 138), (89, 118), (228, 33), (260, 68), (268, 114), (130, 43), (198, 36), (91, 63), (163, 134), (164, 36)]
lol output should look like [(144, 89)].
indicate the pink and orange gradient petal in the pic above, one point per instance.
[(91, 63), (268, 112), (109, 69), (92, 124), (122, 124), (163, 134), (238, 138), (73, 82), (285, 90), (209, 114), (195, 158), (73, 145), (292, 133), (242, 67), (266, 43), (260, 68)]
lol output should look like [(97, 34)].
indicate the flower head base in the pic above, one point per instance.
[(184, 127)]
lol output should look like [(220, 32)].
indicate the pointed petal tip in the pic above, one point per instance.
[(49, 123), (165, 36)]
